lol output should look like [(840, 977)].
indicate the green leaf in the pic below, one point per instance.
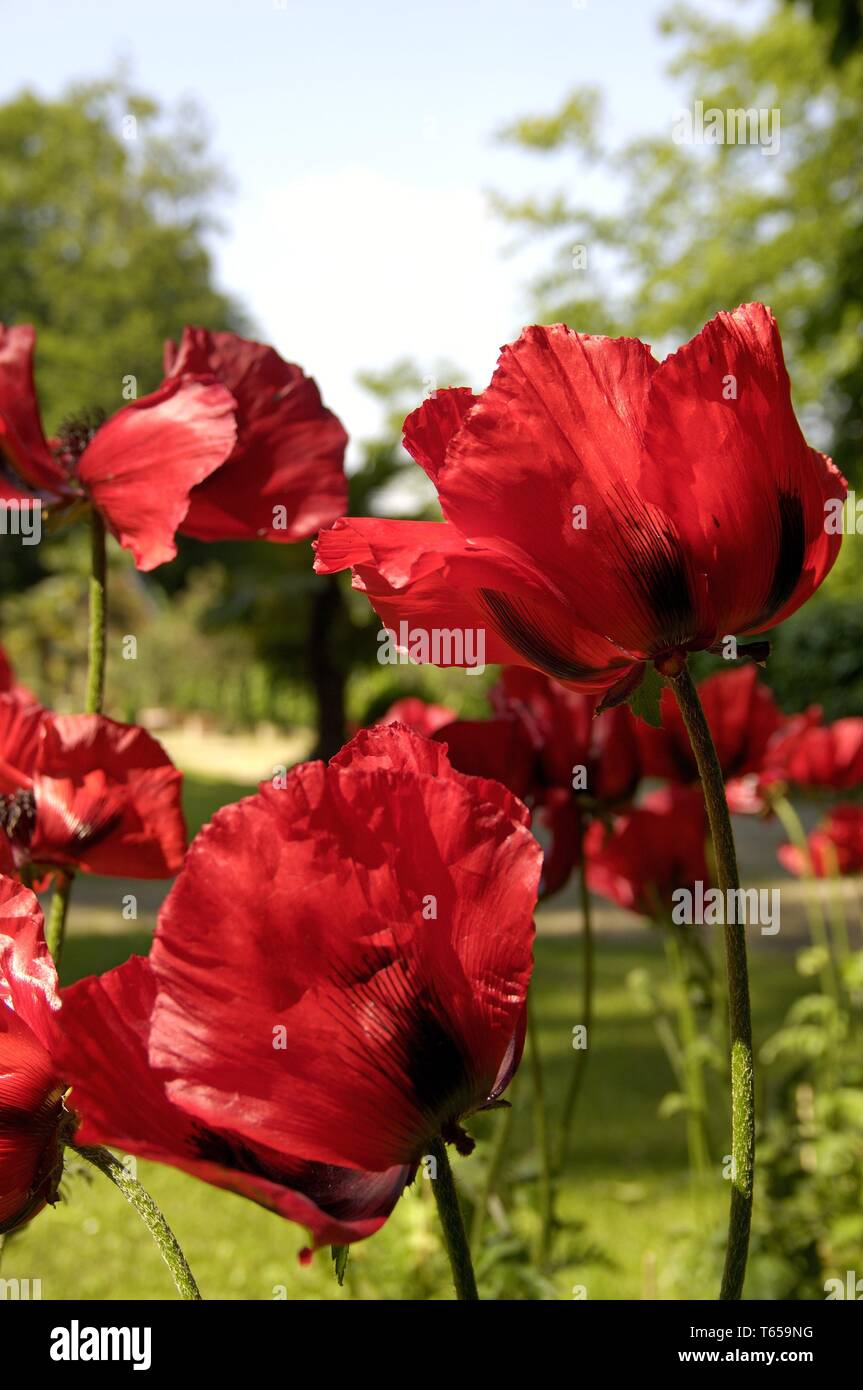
[(340, 1261), (644, 700)]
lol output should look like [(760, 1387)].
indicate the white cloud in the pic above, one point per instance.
[(353, 269)]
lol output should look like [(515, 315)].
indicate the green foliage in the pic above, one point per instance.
[(817, 658), (105, 207), (699, 228), (810, 1227)]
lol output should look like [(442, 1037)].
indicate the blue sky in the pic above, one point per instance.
[(359, 138)]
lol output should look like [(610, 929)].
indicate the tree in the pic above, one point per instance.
[(703, 227), (105, 208)]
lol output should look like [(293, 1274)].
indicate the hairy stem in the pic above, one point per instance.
[(149, 1213), (55, 932), (740, 1016), (97, 642)]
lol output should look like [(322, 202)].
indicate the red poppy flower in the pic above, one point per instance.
[(571, 739), (835, 846), (649, 852), (304, 1055), (137, 469), (820, 756), (419, 715), (285, 478), (603, 509), (31, 1083), (81, 791), (743, 718)]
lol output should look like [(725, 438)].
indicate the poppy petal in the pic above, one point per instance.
[(123, 1101), (21, 435), (370, 1026), (285, 478), (143, 463)]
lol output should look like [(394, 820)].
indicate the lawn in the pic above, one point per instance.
[(629, 1223)]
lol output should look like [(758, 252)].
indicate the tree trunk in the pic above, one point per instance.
[(326, 637)]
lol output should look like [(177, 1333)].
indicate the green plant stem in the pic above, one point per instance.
[(576, 1075), (503, 1130), (740, 1015), (693, 1079), (836, 910), (819, 935), (97, 642), (149, 1213), (55, 932), (452, 1224), (541, 1133)]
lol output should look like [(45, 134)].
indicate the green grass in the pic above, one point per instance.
[(625, 1202)]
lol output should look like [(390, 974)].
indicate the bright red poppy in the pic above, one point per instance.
[(31, 1080), (646, 854), (235, 444), (603, 509), (138, 468), (835, 846), (338, 976), (285, 478), (80, 791)]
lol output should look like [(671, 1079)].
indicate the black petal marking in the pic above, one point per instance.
[(518, 623), (650, 551), (789, 523), (343, 1193)]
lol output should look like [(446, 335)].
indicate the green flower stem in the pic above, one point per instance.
[(55, 931), (838, 915), (541, 1134), (502, 1133), (692, 1074), (796, 832), (149, 1213), (739, 1011), (98, 616), (579, 1066), (452, 1224)]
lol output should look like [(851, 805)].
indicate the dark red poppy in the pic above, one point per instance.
[(743, 718), (339, 975), (835, 846), (285, 478), (31, 1080), (650, 851), (603, 509), (596, 756), (816, 756), (80, 791)]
